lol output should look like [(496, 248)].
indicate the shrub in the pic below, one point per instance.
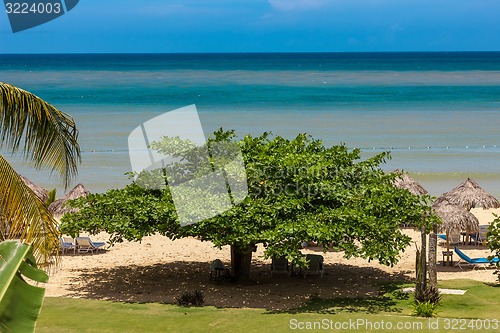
[(431, 295), (400, 295), (424, 309), (426, 302), (196, 298)]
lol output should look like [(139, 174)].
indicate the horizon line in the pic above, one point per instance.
[(247, 52)]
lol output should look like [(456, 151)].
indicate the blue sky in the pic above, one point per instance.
[(96, 26)]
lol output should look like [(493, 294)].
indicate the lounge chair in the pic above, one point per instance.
[(67, 243), (480, 237), (315, 265), (474, 262), (85, 245), (279, 265)]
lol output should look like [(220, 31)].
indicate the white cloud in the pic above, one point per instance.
[(289, 5)]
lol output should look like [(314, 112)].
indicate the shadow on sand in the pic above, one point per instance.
[(163, 282)]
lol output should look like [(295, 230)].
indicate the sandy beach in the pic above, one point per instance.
[(159, 269)]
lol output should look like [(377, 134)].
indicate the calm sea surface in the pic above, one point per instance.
[(439, 113)]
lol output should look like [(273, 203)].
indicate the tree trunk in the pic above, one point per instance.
[(447, 248), (433, 257), (423, 261), (418, 271), (241, 261)]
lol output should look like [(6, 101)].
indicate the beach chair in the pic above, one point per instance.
[(474, 262), (480, 237), (483, 231), (67, 243), (85, 245), (279, 265), (315, 265)]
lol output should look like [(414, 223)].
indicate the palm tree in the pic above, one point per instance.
[(47, 138)]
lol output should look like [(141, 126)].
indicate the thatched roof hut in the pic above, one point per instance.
[(58, 208), (404, 181), (39, 191), (454, 217), (470, 195)]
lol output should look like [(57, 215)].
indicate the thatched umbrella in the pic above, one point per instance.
[(39, 191), (404, 181), (470, 195), (455, 218), (58, 208)]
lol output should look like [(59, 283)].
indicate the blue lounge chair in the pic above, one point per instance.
[(474, 261)]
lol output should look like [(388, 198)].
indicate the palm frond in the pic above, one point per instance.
[(20, 302), (46, 136), (24, 216)]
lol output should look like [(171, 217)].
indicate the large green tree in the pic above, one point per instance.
[(299, 190), (46, 137)]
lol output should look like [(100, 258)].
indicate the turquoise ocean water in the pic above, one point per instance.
[(438, 113)]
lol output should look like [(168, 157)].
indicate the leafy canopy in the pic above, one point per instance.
[(299, 190)]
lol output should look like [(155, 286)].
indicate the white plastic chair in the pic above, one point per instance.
[(85, 245)]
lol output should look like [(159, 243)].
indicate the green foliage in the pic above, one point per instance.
[(299, 190), (130, 213), (20, 302), (187, 298), (426, 302), (493, 237), (400, 295), (52, 197), (424, 309)]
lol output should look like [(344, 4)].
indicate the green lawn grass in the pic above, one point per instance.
[(383, 313)]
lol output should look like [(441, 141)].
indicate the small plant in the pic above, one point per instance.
[(426, 302), (424, 309), (195, 298), (400, 295)]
